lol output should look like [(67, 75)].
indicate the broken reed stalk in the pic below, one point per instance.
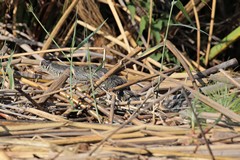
[(118, 66), (132, 117)]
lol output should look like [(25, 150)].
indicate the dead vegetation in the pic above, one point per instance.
[(179, 108)]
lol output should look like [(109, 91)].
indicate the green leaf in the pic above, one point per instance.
[(156, 28), (157, 36), (158, 25), (181, 7), (9, 71), (132, 9), (89, 36), (143, 24), (145, 4), (156, 56)]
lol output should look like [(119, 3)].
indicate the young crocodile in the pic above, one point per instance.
[(82, 74)]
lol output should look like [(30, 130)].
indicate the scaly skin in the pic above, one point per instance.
[(82, 74)]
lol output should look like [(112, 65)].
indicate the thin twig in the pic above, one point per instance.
[(132, 117), (120, 26), (210, 31), (198, 31), (227, 64), (198, 123), (112, 108), (177, 53), (232, 80)]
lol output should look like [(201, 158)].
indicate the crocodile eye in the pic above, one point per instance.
[(45, 64), (47, 67)]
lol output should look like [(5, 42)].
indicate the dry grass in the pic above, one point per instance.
[(46, 118)]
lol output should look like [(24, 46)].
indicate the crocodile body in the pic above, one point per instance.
[(83, 74)]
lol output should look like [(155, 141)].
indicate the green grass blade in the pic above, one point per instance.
[(30, 9), (100, 66), (152, 49), (229, 39), (181, 7), (89, 36), (187, 26)]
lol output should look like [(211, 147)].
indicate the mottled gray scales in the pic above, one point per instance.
[(84, 73)]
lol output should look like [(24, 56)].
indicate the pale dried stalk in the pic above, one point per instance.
[(109, 37), (47, 51), (59, 25), (120, 26), (210, 31)]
